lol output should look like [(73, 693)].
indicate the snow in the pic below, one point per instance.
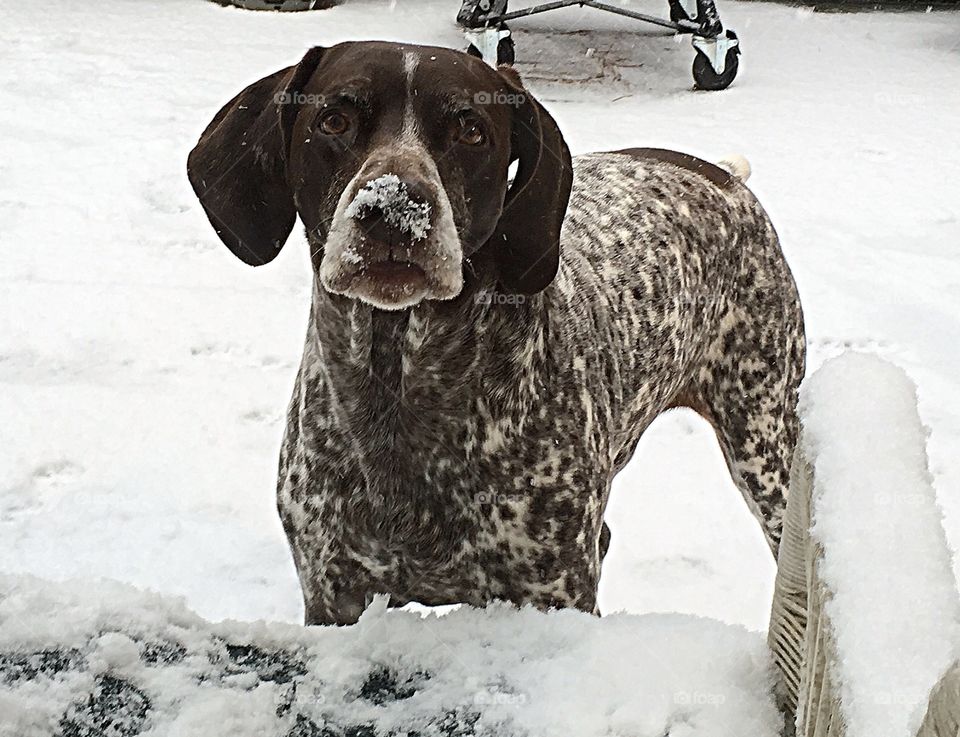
[(144, 372), (895, 607), (483, 672), (389, 195)]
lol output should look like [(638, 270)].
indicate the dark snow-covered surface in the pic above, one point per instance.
[(83, 659)]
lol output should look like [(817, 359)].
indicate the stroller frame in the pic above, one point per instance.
[(715, 63)]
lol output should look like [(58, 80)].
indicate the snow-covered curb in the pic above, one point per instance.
[(77, 657), (894, 606)]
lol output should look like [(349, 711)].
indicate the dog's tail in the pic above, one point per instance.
[(737, 165)]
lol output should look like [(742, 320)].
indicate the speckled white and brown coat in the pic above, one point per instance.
[(462, 449)]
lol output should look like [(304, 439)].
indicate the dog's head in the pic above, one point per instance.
[(395, 157)]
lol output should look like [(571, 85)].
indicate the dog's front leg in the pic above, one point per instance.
[(346, 608), (338, 593)]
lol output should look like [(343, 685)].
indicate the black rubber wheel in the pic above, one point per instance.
[(706, 78), (285, 5), (506, 52)]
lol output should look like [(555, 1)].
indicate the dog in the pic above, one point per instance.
[(484, 353)]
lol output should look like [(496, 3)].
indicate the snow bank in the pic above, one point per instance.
[(895, 607), (79, 658)]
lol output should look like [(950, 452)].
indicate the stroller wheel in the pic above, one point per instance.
[(291, 5), (705, 73), (506, 52), (706, 77)]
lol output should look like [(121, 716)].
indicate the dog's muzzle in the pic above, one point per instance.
[(393, 243)]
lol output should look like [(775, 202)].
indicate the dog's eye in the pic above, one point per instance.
[(334, 123), (470, 132)]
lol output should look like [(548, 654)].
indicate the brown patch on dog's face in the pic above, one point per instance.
[(398, 160)]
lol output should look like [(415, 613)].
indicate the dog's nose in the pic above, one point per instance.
[(392, 210)]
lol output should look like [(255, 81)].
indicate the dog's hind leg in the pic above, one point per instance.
[(747, 389)]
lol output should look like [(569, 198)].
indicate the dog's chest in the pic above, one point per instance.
[(477, 511), (415, 469)]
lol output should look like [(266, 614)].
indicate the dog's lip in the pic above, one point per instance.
[(392, 273), (389, 284)]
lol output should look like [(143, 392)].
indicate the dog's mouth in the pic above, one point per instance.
[(396, 273), (403, 277), (388, 284), (391, 273)]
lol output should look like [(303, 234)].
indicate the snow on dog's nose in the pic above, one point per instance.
[(388, 201), (393, 241)]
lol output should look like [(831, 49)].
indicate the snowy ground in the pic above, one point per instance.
[(89, 658), (145, 371)]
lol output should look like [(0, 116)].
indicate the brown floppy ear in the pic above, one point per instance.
[(527, 238), (238, 168)]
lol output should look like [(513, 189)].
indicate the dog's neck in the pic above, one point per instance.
[(426, 396), (416, 365)]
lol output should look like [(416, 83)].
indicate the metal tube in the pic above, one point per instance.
[(684, 26), (534, 10)]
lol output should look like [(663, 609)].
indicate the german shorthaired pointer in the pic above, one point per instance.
[(482, 354)]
